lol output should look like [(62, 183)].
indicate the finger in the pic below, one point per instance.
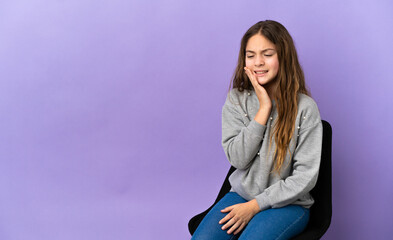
[(248, 72), (234, 227), (229, 224), (240, 228), (228, 209), (251, 76), (226, 218)]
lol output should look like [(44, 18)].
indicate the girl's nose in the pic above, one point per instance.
[(259, 61)]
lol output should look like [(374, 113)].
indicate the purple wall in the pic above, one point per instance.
[(110, 124)]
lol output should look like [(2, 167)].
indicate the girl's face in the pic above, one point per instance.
[(261, 57)]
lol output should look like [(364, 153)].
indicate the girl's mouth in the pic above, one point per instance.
[(261, 73)]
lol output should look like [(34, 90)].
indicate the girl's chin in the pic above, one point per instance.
[(264, 81)]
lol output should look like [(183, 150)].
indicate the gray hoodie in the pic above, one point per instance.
[(246, 144)]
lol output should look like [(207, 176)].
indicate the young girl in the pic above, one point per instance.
[(269, 108)]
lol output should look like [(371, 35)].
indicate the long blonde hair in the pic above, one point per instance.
[(290, 79)]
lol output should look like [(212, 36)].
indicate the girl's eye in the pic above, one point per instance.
[(250, 56), (266, 55)]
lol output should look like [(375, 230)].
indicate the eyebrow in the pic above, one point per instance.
[(265, 50)]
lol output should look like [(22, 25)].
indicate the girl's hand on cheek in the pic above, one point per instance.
[(263, 96)]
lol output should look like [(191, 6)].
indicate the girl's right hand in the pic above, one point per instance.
[(263, 96)]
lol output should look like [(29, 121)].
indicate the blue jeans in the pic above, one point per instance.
[(272, 223)]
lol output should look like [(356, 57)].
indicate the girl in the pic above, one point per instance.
[(268, 108)]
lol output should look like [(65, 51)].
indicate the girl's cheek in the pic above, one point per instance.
[(248, 64)]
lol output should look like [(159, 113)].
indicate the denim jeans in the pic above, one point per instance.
[(273, 223)]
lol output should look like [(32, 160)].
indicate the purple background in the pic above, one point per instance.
[(110, 124)]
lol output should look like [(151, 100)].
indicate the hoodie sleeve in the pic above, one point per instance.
[(241, 141)]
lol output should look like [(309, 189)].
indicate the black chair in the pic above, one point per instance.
[(321, 210)]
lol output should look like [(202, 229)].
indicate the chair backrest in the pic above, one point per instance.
[(321, 210)]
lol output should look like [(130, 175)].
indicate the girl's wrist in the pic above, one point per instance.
[(262, 115), (265, 108), (255, 206)]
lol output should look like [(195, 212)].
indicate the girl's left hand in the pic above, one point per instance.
[(239, 215)]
